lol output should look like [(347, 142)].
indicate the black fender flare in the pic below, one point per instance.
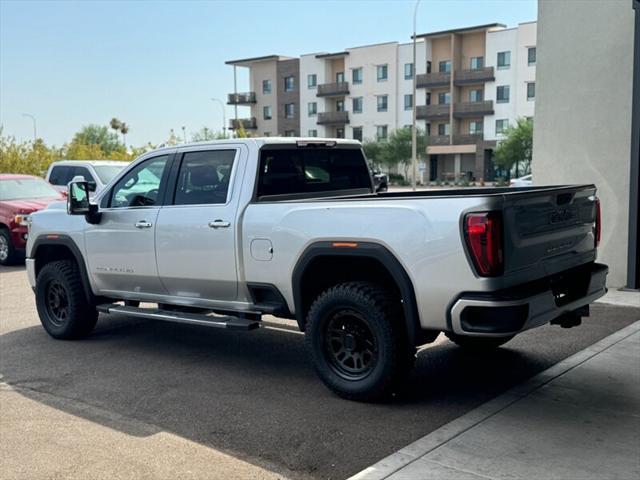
[(367, 250), (67, 242)]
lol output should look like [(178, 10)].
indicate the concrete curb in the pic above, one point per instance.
[(412, 452)]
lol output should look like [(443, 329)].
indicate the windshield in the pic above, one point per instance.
[(107, 172), (22, 188)]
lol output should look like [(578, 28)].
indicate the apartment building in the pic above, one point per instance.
[(273, 98), (471, 84)]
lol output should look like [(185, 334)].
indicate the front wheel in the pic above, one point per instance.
[(478, 344), (356, 337), (62, 305)]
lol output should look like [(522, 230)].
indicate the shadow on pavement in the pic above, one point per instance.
[(255, 394)]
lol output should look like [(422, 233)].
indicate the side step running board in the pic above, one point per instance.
[(232, 323)]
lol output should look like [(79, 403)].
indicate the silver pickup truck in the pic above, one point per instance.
[(222, 233)]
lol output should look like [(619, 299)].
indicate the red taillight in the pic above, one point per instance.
[(483, 233), (598, 225)]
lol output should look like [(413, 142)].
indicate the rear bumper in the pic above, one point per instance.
[(528, 306)]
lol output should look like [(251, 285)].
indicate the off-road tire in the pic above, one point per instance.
[(478, 344), (71, 316), (379, 317)]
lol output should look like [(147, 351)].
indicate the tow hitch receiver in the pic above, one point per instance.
[(571, 319)]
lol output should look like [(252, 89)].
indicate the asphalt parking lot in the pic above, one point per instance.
[(254, 395)]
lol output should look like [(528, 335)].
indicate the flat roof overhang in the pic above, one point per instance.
[(477, 28), (245, 62)]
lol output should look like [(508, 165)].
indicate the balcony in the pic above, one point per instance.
[(337, 89), (476, 75), (333, 118), (439, 140), (473, 109), (246, 98), (247, 123), (430, 80), (432, 112)]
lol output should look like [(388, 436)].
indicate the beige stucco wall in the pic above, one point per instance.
[(583, 109), (264, 71)]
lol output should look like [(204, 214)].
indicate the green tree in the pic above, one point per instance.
[(100, 136), (373, 152), (124, 129), (205, 134), (115, 125), (516, 150), (397, 149)]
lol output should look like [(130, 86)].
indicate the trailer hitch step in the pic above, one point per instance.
[(217, 321)]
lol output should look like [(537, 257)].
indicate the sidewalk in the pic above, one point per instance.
[(580, 419)]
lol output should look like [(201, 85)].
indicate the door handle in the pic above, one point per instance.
[(219, 224), (143, 224)]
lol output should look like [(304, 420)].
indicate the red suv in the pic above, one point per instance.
[(20, 195)]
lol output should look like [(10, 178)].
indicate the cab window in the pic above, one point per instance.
[(140, 186), (204, 177)]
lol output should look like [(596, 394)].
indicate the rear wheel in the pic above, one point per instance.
[(478, 344), (8, 254), (62, 305), (356, 337)]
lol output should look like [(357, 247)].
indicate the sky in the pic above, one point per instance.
[(157, 64)]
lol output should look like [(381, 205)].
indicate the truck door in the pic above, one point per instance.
[(196, 234), (121, 249)]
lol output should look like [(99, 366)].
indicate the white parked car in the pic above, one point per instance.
[(525, 181), (98, 173)]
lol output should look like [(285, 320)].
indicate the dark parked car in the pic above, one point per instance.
[(380, 180), (20, 195)]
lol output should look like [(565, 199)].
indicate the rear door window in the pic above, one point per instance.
[(204, 177), (309, 171), (61, 175)]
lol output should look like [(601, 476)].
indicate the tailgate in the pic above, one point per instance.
[(548, 230)]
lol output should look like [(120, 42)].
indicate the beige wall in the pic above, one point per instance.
[(440, 50), (471, 45), (264, 71), (583, 110)]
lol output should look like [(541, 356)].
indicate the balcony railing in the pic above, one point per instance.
[(333, 118), (432, 112), (245, 98), (333, 89), (476, 75), (429, 80), (247, 123), (473, 109), (435, 140)]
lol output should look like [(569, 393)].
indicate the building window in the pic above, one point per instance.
[(501, 126), (357, 105), (357, 133), (312, 108), (381, 132), (340, 132), (266, 86), (356, 76), (531, 91), (408, 102), (428, 102), (339, 105), (444, 66), (408, 71), (428, 66), (475, 127), (383, 103), (340, 77), (289, 84), (477, 62), (313, 133), (289, 110), (382, 72), (444, 98), (475, 95), (266, 134), (289, 133), (502, 94), (312, 80), (267, 114), (504, 60), (443, 129), (531, 55)]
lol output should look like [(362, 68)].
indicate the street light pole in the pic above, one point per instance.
[(33, 119), (414, 145), (224, 117)]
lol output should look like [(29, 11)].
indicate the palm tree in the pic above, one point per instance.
[(124, 129), (115, 124)]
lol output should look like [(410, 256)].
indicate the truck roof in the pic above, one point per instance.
[(89, 162), (260, 141)]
